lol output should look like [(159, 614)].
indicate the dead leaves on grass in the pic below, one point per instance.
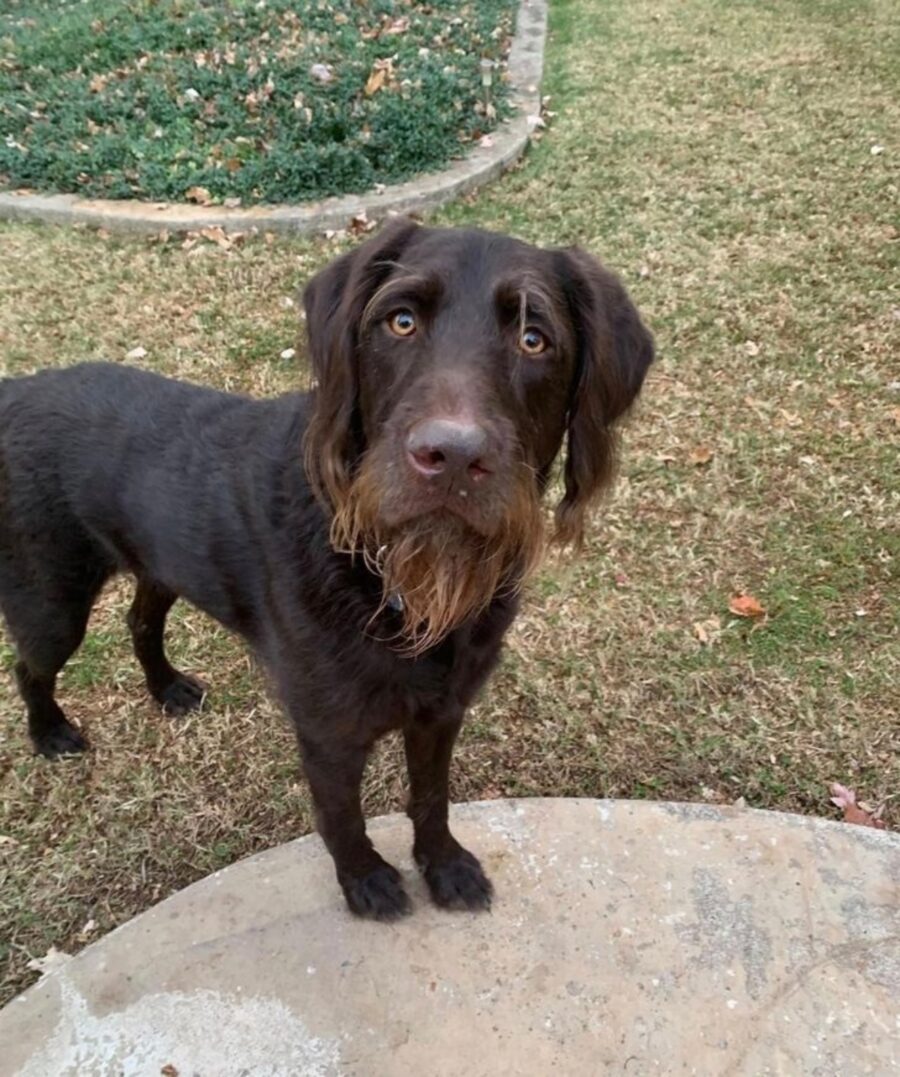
[(360, 224), (200, 195), (53, 959), (708, 632), (382, 75), (856, 812), (214, 234), (744, 605)]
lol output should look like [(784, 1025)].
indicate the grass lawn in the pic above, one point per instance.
[(272, 101), (738, 164)]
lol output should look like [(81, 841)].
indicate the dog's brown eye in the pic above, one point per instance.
[(402, 323), (532, 341)]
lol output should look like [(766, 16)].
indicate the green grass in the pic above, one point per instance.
[(719, 157), (152, 98)]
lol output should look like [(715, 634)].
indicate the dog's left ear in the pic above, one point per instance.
[(614, 350), (334, 301)]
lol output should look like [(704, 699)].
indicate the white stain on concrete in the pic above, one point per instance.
[(204, 1033)]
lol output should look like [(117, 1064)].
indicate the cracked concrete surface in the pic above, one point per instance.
[(626, 937)]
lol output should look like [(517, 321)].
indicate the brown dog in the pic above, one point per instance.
[(375, 583)]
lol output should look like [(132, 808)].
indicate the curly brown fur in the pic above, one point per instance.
[(443, 571)]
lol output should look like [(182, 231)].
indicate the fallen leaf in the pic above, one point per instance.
[(790, 417), (5, 839), (322, 72), (98, 83), (382, 72), (216, 234), (52, 959), (701, 455), (375, 81), (751, 347), (89, 928), (744, 605), (857, 814), (708, 632), (200, 195), (756, 404), (398, 26), (360, 224), (168, 1070)]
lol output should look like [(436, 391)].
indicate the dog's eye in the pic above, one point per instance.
[(402, 323), (532, 341)]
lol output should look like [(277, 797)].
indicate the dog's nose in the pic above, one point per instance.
[(450, 447)]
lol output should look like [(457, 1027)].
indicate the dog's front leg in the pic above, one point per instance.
[(371, 885), (454, 876)]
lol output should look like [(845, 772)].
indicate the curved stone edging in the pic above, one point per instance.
[(482, 165)]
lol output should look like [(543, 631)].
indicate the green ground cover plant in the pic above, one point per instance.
[(273, 101), (737, 164)]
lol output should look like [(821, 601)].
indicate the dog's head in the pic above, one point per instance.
[(450, 366)]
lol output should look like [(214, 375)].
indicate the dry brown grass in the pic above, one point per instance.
[(720, 156)]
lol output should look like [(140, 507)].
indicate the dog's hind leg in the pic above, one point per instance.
[(176, 692)]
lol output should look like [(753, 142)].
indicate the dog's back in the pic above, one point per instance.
[(105, 467)]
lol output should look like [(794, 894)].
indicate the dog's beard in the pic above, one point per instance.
[(442, 569)]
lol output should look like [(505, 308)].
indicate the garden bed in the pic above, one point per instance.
[(243, 102)]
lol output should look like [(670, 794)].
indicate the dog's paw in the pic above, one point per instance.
[(60, 739), (181, 695), (458, 883), (378, 895)]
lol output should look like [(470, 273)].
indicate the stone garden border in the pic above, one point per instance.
[(422, 193)]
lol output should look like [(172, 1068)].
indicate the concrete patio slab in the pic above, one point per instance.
[(626, 937)]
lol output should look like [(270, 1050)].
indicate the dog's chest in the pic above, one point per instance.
[(445, 679)]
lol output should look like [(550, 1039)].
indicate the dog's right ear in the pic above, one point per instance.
[(334, 301)]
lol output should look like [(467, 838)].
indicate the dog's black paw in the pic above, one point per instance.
[(60, 739), (181, 695), (458, 883), (378, 895)]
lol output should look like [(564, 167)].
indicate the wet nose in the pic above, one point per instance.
[(450, 447)]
